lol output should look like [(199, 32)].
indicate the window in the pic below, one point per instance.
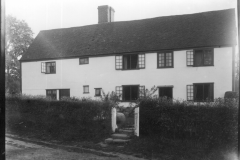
[(84, 60), (130, 92), (119, 92), (64, 93), (165, 60), (200, 92), (118, 61), (200, 57), (189, 92), (141, 61), (130, 61), (141, 91), (52, 94), (98, 91), (165, 92), (189, 58), (85, 89), (48, 67)]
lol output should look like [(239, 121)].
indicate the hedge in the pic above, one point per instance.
[(68, 119), (215, 123)]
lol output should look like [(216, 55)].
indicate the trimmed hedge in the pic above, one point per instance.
[(69, 119), (216, 123)]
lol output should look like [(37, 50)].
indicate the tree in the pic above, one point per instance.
[(19, 36)]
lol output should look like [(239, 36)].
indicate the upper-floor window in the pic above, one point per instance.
[(48, 67), (200, 92), (98, 92), (130, 61), (200, 57), (165, 59), (84, 60)]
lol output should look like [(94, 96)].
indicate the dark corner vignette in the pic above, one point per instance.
[(2, 82)]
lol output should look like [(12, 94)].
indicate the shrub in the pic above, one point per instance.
[(67, 119), (216, 123)]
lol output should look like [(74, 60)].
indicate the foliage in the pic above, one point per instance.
[(76, 119), (112, 97), (213, 122), (19, 36)]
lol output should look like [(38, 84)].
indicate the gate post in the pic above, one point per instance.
[(114, 119), (136, 121)]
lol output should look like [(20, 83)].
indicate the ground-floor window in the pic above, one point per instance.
[(98, 91), (200, 92), (51, 93), (64, 93), (86, 89), (165, 92), (130, 93)]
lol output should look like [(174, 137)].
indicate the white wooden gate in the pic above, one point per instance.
[(114, 119), (136, 121)]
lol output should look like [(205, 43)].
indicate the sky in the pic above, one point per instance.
[(52, 14)]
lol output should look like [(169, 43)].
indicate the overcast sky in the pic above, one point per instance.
[(51, 14)]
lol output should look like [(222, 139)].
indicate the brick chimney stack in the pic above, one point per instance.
[(105, 14)]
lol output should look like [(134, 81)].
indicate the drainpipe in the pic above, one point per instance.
[(233, 68)]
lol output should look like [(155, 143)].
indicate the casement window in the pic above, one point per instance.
[(130, 92), (165, 59), (86, 89), (189, 92), (98, 92), (48, 67), (64, 93), (165, 92), (51, 93), (84, 60), (130, 61), (200, 92), (119, 92), (200, 57)]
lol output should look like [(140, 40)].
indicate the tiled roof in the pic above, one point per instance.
[(215, 28)]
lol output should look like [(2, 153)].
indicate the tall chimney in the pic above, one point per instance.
[(105, 14)]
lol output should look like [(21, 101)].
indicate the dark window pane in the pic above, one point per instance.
[(127, 93), (203, 92), (208, 57), (85, 89), (130, 61), (126, 62), (198, 58), (134, 61), (130, 93), (64, 93), (198, 91), (97, 92), (134, 92), (165, 91), (52, 94), (84, 61)]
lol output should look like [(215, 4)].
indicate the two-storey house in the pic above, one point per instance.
[(189, 57)]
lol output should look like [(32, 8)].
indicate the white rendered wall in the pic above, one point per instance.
[(101, 73)]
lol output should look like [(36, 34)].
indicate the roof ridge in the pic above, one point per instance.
[(139, 19)]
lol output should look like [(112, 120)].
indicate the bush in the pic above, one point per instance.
[(215, 123), (68, 119)]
